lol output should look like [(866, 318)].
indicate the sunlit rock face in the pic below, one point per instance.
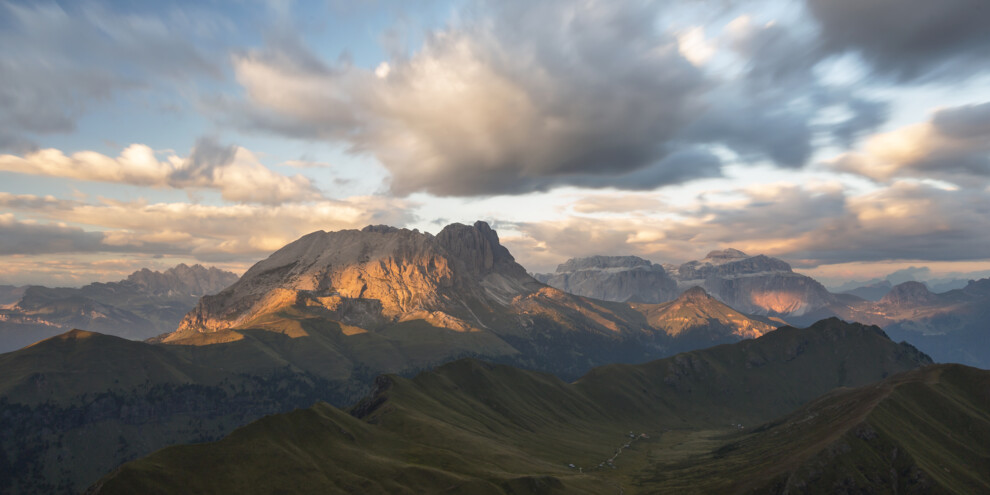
[(695, 311), (754, 284), (374, 276), (613, 278)]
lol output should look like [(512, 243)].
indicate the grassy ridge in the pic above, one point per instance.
[(923, 431), (476, 427)]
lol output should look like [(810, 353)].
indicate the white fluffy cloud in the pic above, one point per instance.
[(234, 171)]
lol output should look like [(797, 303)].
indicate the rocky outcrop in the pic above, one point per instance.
[(751, 284), (613, 278), (908, 295), (147, 303), (401, 274), (697, 319), (182, 279), (754, 284)]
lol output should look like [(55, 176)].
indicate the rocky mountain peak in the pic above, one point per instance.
[(695, 295), (477, 246), (182, 279), (726, 255), (373, 276), (908, 293), (613, 278), (605, 262)]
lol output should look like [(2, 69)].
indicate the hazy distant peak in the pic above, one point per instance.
[(603, 262), (726, 255), (183, 279), (908, 293)]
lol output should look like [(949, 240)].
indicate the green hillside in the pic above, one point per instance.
[(923, 431), (475, 427)]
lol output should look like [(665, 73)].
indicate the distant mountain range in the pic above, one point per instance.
[(397, 300), (324, 315), (751, 284), (319, 319), (475, 427), (146, 304), (951, 326)]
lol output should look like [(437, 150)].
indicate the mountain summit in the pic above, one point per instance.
[(613, 278), (374, 276)]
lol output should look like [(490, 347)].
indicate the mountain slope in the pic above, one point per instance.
[(146, 304), (904, 435), (951, 326), (476, 427), (78, 404)]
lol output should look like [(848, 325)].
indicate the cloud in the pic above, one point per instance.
[(809, 225), (61, 59), (510, 103), (232, 170), (18, 237), (909, 39), (205, 232), (954, 145), (512, 98)]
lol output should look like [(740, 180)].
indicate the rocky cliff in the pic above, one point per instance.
[(372, 277), (613, 278), (751, 284), (754, 284), (147, 303)]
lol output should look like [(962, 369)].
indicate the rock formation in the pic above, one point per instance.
[(613, 278)]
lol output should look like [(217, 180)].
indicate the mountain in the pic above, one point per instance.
[(318, 320), (476, 427), (146, 304), (76, 405), (902, 435), (398, 300), (699, 320), (10, 294), (952, 325), (754, 284), (750, 284), (613, 278), (871, 292)]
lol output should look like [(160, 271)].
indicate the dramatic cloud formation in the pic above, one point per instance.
[(232, 170), (954, 145), (909, 39), (524, 97), (664, 129)]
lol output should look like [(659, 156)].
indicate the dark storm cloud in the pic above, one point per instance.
[(909, 39)]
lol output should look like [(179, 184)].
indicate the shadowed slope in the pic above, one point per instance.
[(923, 431), (471, 426)]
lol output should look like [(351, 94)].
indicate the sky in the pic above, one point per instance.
[(850, 138)]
